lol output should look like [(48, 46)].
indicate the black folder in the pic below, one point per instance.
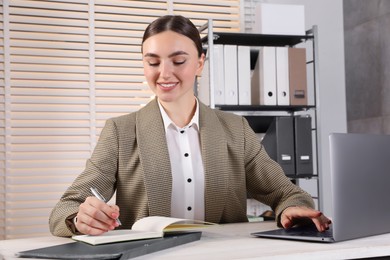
[(278, 141), (119, 251), (303, 146)]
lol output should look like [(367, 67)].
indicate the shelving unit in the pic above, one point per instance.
[(260, 116)]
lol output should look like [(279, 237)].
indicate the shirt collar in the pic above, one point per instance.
[(168, 122)]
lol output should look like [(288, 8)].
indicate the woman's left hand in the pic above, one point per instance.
[(294, 215)]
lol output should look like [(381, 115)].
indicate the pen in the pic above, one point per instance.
[(100, 197)]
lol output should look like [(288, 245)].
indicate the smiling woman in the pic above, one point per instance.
[(66, 67), (177, 157)]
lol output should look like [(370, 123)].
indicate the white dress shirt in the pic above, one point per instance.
[(187, 167)]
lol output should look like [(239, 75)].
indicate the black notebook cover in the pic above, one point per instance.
[(120, 251)]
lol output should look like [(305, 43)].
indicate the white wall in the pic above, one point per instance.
[(328, 16)]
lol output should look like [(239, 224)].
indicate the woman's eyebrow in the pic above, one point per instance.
[(152, 55), (176, 53)]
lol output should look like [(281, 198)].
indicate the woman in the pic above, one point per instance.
[(177, 157)]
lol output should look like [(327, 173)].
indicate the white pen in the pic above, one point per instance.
[(100, 197)]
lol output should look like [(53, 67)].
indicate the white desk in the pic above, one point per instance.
[(233, 241)]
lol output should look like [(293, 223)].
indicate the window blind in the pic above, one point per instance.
[(2, 126), (65, 68)]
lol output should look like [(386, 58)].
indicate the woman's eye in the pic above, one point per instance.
[(153, 64), (179, 62)]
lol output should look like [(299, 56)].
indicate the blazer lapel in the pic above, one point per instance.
[(215, 160), (154, 158)]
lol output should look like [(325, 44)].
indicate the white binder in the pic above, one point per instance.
[(263, 83), (203, 91), (244, 75), (230, 70), (219, 74), (282, 77)]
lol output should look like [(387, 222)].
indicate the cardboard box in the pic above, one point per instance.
[(279, 19)]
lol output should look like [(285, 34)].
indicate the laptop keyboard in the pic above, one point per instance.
[(309, 231)]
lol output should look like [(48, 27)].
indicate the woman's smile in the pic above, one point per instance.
[(167, 86)]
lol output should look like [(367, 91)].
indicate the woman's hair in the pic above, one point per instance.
[(177, 24)]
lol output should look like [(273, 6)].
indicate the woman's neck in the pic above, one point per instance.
[(180, 113)]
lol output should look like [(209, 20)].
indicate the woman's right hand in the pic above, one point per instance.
[(96, 217)]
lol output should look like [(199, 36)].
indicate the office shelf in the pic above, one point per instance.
[(261, 116)]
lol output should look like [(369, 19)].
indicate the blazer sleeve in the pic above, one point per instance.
[(100, 172), (265, 179)]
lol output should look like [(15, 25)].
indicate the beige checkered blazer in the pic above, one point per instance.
[(132, 158)]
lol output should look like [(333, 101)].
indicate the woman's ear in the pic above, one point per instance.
[(200, 65)]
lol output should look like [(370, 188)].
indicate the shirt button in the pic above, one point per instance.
[(189, 208), (186, 154), (189, 180), (182, 131)]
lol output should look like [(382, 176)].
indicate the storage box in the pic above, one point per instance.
[(279, 19)]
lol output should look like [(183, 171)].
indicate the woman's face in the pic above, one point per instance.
[(171, 63)]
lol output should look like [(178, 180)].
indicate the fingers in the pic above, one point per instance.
[(96, 217), (322, 223), (293, 215), (115, 214)]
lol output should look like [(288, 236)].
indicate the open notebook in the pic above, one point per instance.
[(360, 188), (144, 228)]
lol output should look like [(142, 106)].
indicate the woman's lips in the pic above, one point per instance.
[(167, 85)]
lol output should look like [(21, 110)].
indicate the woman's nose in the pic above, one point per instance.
[(165, 70)]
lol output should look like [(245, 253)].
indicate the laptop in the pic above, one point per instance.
[(360, 188)]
